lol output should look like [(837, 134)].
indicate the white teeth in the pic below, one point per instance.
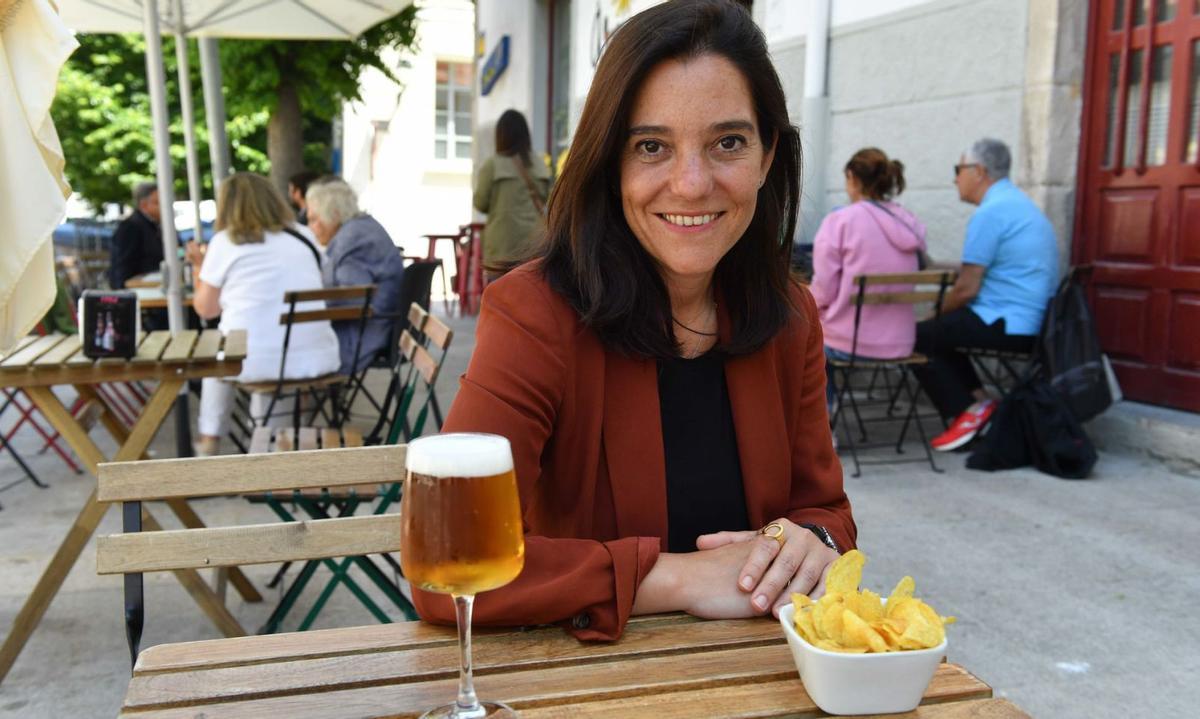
[(690, 220)]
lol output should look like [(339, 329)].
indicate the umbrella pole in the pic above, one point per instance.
[(189, 119), (214, 109), (156, 75), (172, 280)]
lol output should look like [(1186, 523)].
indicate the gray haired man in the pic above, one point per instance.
[(1008, 275)]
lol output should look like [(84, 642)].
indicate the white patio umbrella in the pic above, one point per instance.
[(262, 19), (33, 46)]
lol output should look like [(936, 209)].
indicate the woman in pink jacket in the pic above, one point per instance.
[(871, 235)]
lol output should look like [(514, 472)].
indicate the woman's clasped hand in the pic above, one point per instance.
[(741, 574)]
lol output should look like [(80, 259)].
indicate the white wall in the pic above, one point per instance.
[(389, 136), (524, 22)]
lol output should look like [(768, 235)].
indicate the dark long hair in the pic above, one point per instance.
[(591, 256), (512, 136), (881, 178)]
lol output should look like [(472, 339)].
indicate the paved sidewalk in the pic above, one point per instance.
[(1074, 599)]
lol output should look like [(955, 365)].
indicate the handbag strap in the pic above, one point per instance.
[(893, 215), (523, 171), (315, 252)]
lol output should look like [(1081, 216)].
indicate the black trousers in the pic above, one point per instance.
[(949, 379)]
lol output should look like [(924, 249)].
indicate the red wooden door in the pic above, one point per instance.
[(1138, 219)]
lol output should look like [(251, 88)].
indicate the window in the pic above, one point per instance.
[(452, 125)]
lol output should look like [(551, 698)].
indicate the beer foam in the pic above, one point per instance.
[(459, 455)]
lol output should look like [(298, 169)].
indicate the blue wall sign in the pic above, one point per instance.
[(495, 66)]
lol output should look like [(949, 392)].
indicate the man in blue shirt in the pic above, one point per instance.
[(1009, 273)]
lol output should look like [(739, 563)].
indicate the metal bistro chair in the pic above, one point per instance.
[(135, 551), (845, 370), (418, 371), (323, 390)]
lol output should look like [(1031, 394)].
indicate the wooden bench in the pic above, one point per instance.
[(134, 551)]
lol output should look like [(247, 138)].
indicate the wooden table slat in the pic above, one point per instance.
[(329, 642), (285, 439), (180, 348), (152, 347), (207, 346), (61, 352), (330, 439), (20, 345), (20, 360), (308, 438), (235, 345)]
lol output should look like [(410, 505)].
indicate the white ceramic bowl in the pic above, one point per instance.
[(887, 683)]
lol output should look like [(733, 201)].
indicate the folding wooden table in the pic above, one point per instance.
[(39, 363), (663, 666)]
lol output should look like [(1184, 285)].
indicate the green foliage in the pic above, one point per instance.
[(102, 110), (326, 73), (102, 113)]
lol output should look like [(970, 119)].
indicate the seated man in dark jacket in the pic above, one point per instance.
[(359, 252), (137, 242)]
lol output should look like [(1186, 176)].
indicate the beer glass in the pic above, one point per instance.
[(461, 534)]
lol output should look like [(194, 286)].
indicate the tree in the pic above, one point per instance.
[(102, 113), (280, 98), (305, 81)]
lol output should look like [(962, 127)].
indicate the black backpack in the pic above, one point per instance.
[(1034, 425), (1068, 355), (1040, 421)]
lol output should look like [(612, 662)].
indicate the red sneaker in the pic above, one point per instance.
[(965, 426)]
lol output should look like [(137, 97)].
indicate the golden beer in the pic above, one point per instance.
[(461, 529)]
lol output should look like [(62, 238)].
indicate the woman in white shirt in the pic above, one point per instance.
[(257, 255)]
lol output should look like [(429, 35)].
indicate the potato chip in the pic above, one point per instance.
[(845, 573), (850, 620), (857, 633), (804, 625), (904, 588)]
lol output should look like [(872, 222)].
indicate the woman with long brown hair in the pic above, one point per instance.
[(511, 187), (657, 371)]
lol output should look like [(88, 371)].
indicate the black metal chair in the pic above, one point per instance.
[(416, 287), (846, 370)]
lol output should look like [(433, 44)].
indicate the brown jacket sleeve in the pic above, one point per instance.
[(817, 493), (514, 386)]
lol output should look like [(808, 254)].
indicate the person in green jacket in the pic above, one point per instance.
[(512, 190)]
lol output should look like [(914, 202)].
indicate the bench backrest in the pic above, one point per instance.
[(280, 472), (929, 286)]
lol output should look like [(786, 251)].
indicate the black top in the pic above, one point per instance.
[(136, 249), (704, 472)]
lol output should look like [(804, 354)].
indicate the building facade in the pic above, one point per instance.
[(407, 148), (1099, 101)]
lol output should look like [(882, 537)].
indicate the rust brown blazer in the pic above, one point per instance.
[(588, 451)]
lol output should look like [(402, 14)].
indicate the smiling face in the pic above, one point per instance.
[(692, 165)]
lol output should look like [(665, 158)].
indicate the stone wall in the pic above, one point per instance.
[(924, 82)]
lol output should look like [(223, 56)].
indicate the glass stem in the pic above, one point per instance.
[(467, 703)]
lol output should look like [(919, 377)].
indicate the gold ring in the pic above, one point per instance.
[(774, 530)]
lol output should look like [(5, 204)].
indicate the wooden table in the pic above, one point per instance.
[(38, 363), (153, 298), (664, 666), (150, 279)]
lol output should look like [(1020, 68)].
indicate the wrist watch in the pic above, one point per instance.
[(823, 535)]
